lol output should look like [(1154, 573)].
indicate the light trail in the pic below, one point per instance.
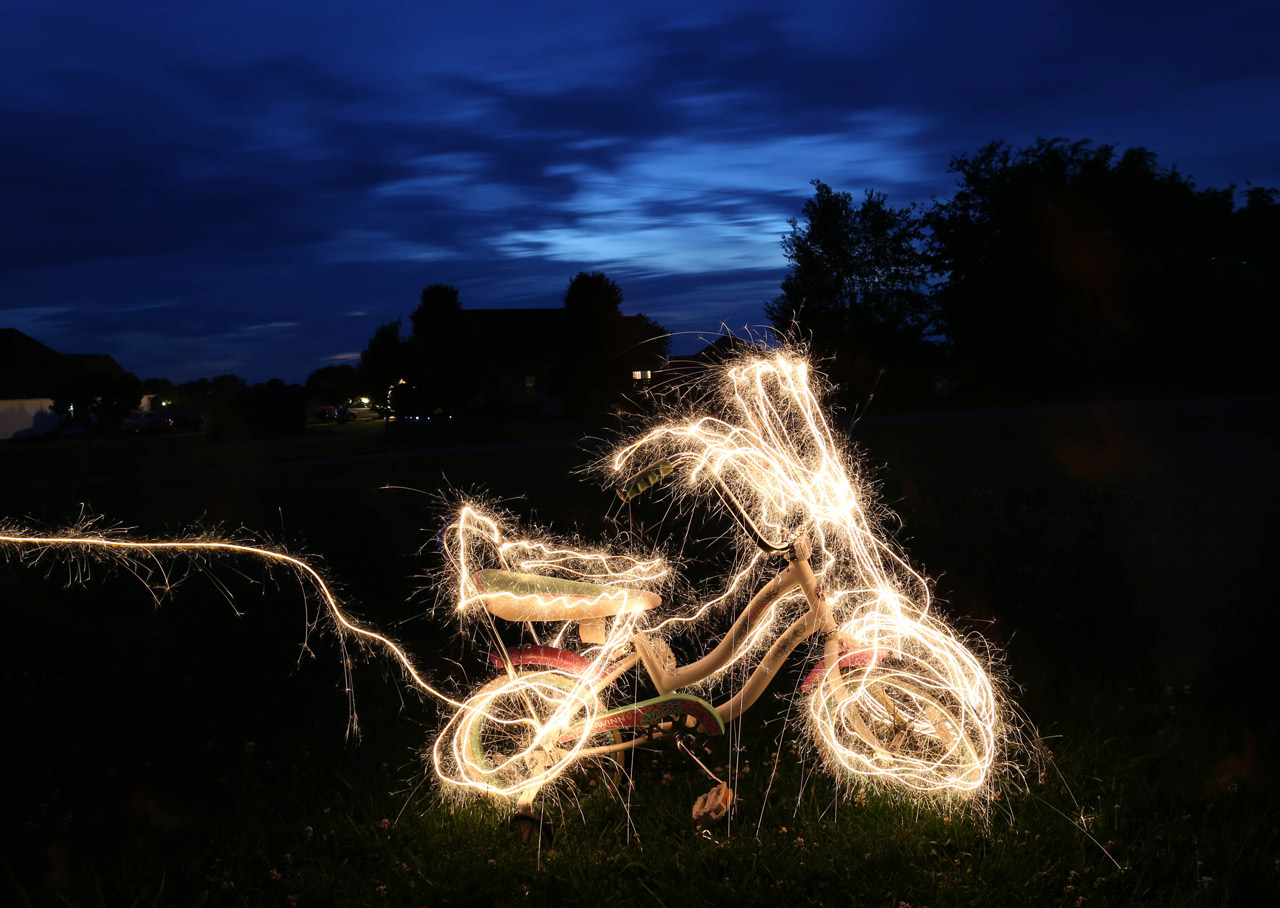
[(33, 546), (509, 739), (914, 709), (924, 715)]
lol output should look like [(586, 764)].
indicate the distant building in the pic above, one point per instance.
[(520, 347), (31, 373)]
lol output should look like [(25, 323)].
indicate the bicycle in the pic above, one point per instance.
[(897, 697)]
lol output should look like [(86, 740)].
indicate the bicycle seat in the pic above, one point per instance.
[(534, 597)]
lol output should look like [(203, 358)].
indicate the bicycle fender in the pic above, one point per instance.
[(545, 657), (861, 657)]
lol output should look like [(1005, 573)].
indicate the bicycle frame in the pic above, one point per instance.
[(919, 711), (797, 574), (668, 681)]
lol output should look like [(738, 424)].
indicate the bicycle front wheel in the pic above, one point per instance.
[(922, 717)]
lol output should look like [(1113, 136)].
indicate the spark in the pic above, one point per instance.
[(900, 699), (921, 712), (76, 545), (510, 739)]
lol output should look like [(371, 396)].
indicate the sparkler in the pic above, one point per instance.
[(85, 543), (511, 738), (921, 711), (911, 708), (900, 699)]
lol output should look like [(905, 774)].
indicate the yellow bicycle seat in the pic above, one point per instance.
[(534, 597)]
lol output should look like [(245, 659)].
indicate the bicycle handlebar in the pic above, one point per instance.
[(646, 479), (653, 474)]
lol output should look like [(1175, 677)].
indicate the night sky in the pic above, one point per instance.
[(199, 188)]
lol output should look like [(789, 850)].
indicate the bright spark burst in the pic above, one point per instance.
[(513, 736), (921, 712), (900, 701)]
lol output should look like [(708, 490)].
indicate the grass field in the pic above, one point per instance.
[(186, 754)]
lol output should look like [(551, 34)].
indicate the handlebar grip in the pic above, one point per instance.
[(646, 479)]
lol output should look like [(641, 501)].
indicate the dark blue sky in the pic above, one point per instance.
[(197, 188)]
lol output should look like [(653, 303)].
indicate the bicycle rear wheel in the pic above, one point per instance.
[(516, 734)]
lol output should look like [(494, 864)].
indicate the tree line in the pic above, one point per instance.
[(439, 365), (99, 403), (1058, 271)]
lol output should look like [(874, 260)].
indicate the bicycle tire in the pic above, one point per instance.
[(892, 729), (506, 741)]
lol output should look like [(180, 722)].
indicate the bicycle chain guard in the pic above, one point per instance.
[(680, 712)]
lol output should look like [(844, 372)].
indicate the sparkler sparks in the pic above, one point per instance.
[(917, 710), (86, 544), (511, 738), (899, 699), (921, 712)]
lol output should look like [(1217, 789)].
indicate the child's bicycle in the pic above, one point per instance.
[(896, 697)]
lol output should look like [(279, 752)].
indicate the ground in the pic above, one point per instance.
[(1117, 556)]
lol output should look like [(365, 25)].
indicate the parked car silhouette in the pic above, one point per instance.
[(151, 421), (349, 413)]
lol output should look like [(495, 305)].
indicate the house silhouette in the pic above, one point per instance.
[(31, 374)]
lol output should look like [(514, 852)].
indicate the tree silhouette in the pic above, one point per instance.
[(592, 297), (382, 365), (1072, 272), (648, 342), (439, 311), (854, 288), (438, 354), (589, 371), (332, 384)]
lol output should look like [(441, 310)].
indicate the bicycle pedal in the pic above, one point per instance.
[(713, 806)]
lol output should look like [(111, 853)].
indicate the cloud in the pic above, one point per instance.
[(686, 247), (353, 245), (172, 197), (34, 320), (270, 326)]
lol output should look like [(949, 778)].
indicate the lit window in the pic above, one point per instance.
[(642, 375), (531, 386)]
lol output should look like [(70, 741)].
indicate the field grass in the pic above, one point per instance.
[(185, 755)]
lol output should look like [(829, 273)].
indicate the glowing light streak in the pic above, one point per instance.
[(920, 713), (573, 564), (924, 715), (522, 718), (105, 545)]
